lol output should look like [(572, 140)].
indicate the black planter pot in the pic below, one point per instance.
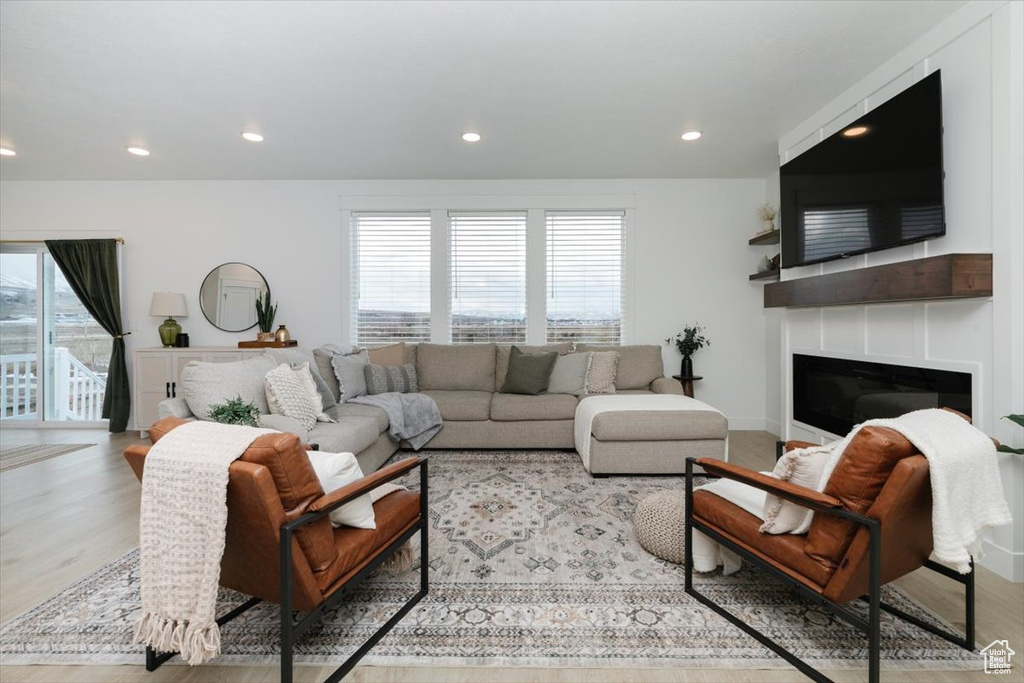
[(686, 370)]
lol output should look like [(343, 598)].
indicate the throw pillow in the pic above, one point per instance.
[(528, 373), (335, 470), (569, 375), (323, 356), (204, 385), (380, 379), (603, 367), (293, 394), (804, 467), (388, 355), (348, 370)]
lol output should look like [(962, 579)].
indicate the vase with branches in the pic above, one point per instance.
[(265, 312), (766, 212), (688, 342)]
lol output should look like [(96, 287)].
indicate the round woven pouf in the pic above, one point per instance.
[(660, 524)]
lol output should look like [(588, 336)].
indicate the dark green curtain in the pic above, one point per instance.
[(90, 267)]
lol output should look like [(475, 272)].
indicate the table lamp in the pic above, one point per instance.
[(168, 304)]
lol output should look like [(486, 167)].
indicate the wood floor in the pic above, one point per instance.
[(63, 518)]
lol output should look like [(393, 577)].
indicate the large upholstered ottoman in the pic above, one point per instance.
[(647, 434)]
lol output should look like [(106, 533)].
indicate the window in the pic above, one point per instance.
[(390, 277), (488, 277), (584, 277)]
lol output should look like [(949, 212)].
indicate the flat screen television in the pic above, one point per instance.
[(875, 184)]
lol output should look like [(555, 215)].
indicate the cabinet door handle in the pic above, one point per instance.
[(167, 390), (174, 389)]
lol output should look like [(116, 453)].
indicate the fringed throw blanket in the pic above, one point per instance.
[(181, 536)]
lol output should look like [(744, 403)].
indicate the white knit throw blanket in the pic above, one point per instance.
[(967, 493), (181, 536)]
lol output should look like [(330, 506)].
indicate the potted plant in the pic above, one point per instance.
[(1003, 448), (265, 312), (235, 411), (688, 341), (766, 212)]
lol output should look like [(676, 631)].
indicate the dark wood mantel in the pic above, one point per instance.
[(950, 276)]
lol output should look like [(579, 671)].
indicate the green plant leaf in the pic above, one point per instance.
[(1003, 448), (1016, 419)]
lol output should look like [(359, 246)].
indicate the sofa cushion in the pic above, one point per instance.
[(601, 376), (293, 394), (467, 367), (516, 407), (204, 385), (857, 479), (358, 410), (639, 365), (393, 354), (323, 356), (350, 375), (502, 352), (659, 425), (466, 406), (350, 433), (382, 379), (528, 373)]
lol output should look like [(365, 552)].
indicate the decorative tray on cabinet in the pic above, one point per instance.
[(267, 345)]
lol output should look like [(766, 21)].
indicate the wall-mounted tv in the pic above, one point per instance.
[(875, 184)]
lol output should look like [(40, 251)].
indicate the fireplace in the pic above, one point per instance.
[(834, 394)]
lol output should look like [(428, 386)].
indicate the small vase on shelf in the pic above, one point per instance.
[(282, 334), (686, 369)]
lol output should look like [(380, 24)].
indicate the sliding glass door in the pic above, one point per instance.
[(53, 355)]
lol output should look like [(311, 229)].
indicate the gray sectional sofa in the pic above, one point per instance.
[(462, 379)]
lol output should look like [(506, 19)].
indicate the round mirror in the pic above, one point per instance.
[(228, 296)]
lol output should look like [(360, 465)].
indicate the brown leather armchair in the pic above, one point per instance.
[(872, 524), (280, 545)]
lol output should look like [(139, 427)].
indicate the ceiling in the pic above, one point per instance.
[(346, 90)]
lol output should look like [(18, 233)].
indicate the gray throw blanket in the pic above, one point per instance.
[(413, 417)]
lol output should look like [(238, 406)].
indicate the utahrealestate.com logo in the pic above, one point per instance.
[(997, 657)]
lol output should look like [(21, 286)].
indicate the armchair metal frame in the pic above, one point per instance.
[(292, 628), (870, 626)]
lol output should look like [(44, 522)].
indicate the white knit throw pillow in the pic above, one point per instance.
[(804, 467), (604, 366), (293, 393)]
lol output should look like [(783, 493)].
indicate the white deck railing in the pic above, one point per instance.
[(78, 391)]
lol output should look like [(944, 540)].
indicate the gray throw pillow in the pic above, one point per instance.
[(323, 356), (569, 375), (528, 373), (381, 379), (348, 370)]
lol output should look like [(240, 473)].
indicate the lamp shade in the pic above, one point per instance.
[(168, 305)]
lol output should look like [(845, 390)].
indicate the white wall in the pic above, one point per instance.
[(979, 52), (687, 246)]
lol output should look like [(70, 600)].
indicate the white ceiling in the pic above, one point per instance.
[(384, 89)]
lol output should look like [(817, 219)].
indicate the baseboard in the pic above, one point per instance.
[(747, 423), (774, 427), (1006, 563)]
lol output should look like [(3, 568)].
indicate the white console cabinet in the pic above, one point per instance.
[(157, 371)]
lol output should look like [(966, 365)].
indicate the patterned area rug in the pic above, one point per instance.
[(18, 456), (532, 563)]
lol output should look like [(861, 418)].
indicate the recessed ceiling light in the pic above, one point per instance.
[(138, 151), (691, 135), (471, 137), (252, 137), (7, 152), (855, 131)]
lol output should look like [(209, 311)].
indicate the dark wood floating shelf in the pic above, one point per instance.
[(951, 276), (765, 238), (772, 274), (267, 345)]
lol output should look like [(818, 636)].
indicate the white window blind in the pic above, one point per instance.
[(584, 276), (830, 232), (918, 221), (390, 277), (488, 277)]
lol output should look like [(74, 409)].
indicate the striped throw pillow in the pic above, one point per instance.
[(381, 379)]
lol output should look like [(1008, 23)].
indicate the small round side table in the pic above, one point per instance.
[(687, 383)]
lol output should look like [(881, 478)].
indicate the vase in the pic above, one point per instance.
[(282, 334), (265, 336), (686, 369), (768, 225)]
